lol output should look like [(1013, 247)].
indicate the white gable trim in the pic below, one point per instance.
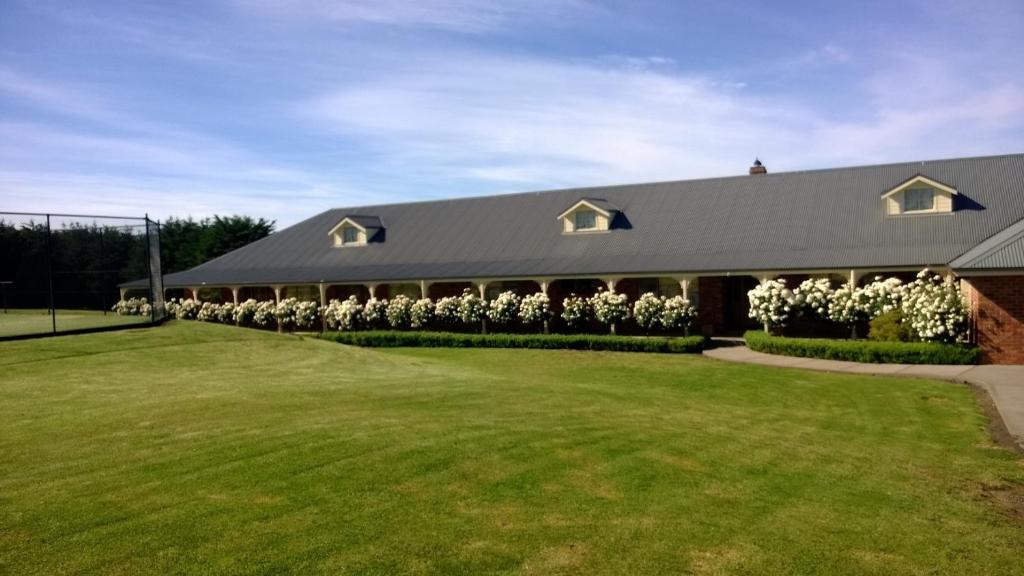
[(918, 180), (582, 203), (346, 222)]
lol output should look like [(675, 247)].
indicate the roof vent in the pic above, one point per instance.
[(758, 168)]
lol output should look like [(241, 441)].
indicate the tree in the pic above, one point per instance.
[(186, 243)]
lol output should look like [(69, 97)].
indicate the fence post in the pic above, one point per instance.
[(49, 274), (149, 266)]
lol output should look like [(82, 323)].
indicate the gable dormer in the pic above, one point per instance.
[(588, 215), (919, 195), (356, 230)]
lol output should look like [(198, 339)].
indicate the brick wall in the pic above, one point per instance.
[(997, 317), (710, 307)]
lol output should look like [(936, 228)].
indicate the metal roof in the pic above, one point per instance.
[(1002, 251), (816, 219)]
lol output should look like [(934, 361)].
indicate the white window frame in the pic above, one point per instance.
[(916, 191), (592, 214), (345, 231)]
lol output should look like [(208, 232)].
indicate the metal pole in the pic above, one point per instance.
[(149, 266), (49, 273), (103, 273)]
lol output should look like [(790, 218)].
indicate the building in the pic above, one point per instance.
[(710, 240)]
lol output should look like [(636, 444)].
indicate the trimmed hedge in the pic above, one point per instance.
[(863, 350), (391, 339)]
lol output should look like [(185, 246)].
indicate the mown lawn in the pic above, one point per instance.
[(16, 322), (206, 449)]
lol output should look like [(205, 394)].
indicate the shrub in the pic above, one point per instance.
[(399, 311), (284, 313), (862, 350), (422, 313), (504, 309), (576, 311), (343, 314), (375, 313), (471, 307), (183, 309), (226, 313), (609, 308), (245, 313), (771, 303), (812, 296), (889, 327), (678, 313), (133, 307), (648, 310), (306, 314), (447, 310), (263, 316), (881, 296), (535, 309), (689, 344), (208, 312), (934, 309)]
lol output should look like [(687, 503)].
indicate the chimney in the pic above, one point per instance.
[(758, 168)]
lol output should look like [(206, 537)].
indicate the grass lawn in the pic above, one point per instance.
[(205, 449), (20, 321)]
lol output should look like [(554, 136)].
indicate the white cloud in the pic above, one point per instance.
[(532, 122), (467, 16)]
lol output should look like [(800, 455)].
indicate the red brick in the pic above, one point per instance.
[(997, 317)]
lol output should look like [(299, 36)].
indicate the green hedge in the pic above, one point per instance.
[(390, 339), (863, 350)]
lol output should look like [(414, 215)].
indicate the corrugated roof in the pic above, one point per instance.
[(1002, 251), (816, 219)]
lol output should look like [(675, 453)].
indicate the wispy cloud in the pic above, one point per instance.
[(523, 120), (466, 16)]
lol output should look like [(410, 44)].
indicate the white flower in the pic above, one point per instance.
[(471, 307), (343, 314), (648, 310), (504, 309), (422, 313), (399, 311), (576, 311), (609, 307), (447, 310), (535, 308), (678, 313), (771, 302)]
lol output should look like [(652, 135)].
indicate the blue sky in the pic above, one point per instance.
[(283, 108)]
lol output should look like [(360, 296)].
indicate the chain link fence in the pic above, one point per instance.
[(66, 273)]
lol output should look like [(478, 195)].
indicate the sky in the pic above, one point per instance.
[(284, 108)]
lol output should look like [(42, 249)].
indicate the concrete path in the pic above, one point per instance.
[(1004, 384)]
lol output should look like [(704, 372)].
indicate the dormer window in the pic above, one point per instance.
[(919, 195), (918, 199), (588, 215), (357, 231), (586, 220)]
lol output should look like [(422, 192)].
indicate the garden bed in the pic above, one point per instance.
[(392, 339), (863, 350)]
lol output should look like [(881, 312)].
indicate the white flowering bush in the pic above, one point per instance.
[(881, 296), (422, 313), (610, 308), (343, 314), (447, 310), (472, 308), (504, 309), (811, 297), (208, 312), (284, 313), (647, 311), (264, 314), (771, 303), (535, 309), (133, 307), (677, 313), (245, 312), (934, 308), (375, 312), (576, 311), (226, 313), (306, 314), (847, 305), (399, 312), (184, 309)]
